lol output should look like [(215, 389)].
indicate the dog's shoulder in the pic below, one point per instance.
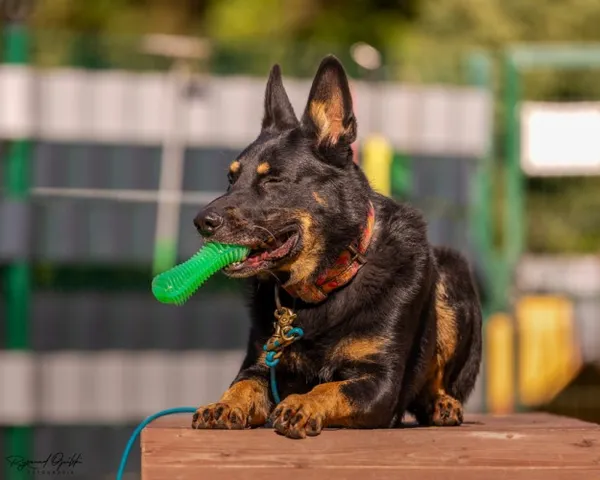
[(400, 218), (401, 233), (400, 262)]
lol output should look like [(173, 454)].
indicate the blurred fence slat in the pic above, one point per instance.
[(128, 108)]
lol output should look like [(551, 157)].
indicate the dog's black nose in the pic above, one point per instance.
[(208, 222)]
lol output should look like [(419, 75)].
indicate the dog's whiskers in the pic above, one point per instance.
[(268, 231)]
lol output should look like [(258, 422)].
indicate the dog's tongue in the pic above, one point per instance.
[(271, 254)]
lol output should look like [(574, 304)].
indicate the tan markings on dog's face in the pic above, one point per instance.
[(263, 168), (358, 348), (235, 166), (319, 199), (328, 117), (305, 264)]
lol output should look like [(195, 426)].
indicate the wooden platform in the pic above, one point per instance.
[(527, 446)]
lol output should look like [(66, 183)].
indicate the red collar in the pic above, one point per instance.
[(345, 268)]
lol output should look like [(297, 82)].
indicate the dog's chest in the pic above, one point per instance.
[(297, 360), (304, 364)]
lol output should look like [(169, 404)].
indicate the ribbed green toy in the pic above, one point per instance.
[(177, 285)]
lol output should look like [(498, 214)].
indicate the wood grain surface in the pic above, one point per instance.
[(523, 446)]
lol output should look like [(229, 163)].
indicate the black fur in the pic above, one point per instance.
[(392, 297)]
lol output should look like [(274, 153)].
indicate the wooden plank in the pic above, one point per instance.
[(525, 446)]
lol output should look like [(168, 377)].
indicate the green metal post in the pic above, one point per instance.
[(18, 289), (401, 176), (514, 218), (514, 228), (479, 69), (481, 224)]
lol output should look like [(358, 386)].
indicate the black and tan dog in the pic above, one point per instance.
[(391, 324)]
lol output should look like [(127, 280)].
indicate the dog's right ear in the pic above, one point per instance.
[(329, 116), (279, 114)]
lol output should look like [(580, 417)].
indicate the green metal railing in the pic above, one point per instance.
[(17, 286)]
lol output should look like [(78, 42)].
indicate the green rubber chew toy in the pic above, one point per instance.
[(177, 285)]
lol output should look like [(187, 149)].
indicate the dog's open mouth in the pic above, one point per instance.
[(267, 256)]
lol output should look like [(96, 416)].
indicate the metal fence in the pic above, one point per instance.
[(87, 351)]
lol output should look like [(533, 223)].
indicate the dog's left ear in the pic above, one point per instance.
[(328, 116), (279, 113)]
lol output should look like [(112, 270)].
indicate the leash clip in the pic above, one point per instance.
[(284, 334)]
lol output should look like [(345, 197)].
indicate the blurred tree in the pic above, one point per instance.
[(248, 35), (457, 25), (561, 213), (121, 16), (332, 21), (421, 40)]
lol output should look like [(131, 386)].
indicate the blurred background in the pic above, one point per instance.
[(118, 119)]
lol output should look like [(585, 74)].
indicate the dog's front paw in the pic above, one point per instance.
[(298, 416), (221, 416)]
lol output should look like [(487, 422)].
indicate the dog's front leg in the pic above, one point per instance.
[(245, 404), (352, 403)]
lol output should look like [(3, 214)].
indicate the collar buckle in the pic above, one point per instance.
[(356, 255)]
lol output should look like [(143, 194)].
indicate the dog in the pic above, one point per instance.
[(391, 324)]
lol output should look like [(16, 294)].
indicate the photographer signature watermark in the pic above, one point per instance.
[(54, 464), (16, 10)]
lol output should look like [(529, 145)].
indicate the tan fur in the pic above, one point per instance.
[(263, 168), (251, 396), (447, 411), (292, 360), (235, 166), (328, 118), (261, 357), (358, 348), (445, 342), (446, 323), (435, 376), (305, 264), (325, 401), (319, 199)]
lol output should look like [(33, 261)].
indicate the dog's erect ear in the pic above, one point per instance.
[(328, 114), (279, 113)]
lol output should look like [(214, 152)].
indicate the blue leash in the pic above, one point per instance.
[(271, 362), (273, 354), (140, 427), (274, 348)]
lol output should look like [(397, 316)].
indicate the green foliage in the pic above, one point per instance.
[(563, 215), (421, 41)]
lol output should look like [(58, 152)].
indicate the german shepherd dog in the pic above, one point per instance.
[(391, 324)]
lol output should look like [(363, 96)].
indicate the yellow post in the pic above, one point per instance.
[(499, 344), (549, 356), (377, 163)]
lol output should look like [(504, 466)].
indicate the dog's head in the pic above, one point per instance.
[(295, 196)]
